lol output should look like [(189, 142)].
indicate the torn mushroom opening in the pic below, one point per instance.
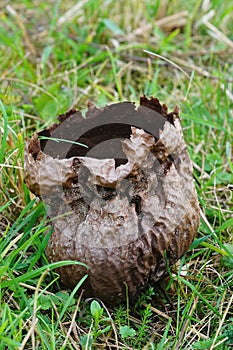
[(101, 131)]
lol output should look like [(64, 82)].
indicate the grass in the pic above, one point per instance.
[(52, 60)]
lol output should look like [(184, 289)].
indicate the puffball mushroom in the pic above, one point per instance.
[(119, 189)]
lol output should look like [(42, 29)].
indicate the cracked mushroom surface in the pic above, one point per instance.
[(119, 188)]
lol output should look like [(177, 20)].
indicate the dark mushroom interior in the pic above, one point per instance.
[(100, 133)]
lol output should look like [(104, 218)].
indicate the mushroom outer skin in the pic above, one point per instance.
[(128, 223)]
